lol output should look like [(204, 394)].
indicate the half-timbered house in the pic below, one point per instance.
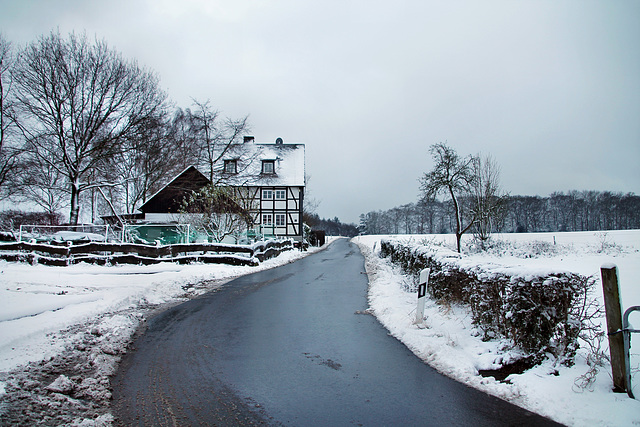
[(269, 179)]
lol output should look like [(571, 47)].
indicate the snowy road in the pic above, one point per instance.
[(291, 346)]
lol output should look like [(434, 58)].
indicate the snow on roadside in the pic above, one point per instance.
[(451, 344), (64, 329)]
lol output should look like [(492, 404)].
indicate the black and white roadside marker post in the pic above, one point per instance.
[(422, 292)]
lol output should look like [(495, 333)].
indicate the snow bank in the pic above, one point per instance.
[(453, 345)]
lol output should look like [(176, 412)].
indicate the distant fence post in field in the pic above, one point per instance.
[(613, 307)]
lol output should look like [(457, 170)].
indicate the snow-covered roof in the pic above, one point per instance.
[(289, 162)]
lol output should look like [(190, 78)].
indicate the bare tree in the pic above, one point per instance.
[(44, 185), (216, 137), (180, 135), (454, 176), (79, 102), (217, 211), (148, 160), (487, 197), (9, 146)]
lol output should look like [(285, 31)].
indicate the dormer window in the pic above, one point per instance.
[(268, 167), (231, 166)]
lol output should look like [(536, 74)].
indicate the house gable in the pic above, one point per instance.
[(170, 197)]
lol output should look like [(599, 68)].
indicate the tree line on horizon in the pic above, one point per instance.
[(570, 211), (332, 227), (474, 202)]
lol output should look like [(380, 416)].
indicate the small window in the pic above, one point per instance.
[(281, 194), (230, 166), (268, 167), (281, 220), (267, 219), (267, 194)]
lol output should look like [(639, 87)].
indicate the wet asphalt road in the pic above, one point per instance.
[(286, 347)]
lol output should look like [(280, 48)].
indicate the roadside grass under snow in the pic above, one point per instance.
[(450, 343)]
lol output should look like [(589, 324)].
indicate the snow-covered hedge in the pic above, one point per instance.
[(541, 311), (131, 253)]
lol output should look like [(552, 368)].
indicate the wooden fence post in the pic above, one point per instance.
[(613, 307)]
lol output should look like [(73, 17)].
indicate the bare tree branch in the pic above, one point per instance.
[(454, 176), (81, 101), (10, 150)]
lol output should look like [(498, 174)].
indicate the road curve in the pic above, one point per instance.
[(287, 347)]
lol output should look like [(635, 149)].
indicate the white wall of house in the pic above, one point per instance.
[(279, 211)]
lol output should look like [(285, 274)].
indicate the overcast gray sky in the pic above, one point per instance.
[(551, 89)]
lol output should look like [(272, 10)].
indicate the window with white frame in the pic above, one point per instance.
[(281, 220), (281, 194), (267, 219), (267, 194)]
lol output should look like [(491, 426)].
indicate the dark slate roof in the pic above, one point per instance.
[(169, 198)]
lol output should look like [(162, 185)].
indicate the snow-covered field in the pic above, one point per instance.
[(449, 341), (64, 329)]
